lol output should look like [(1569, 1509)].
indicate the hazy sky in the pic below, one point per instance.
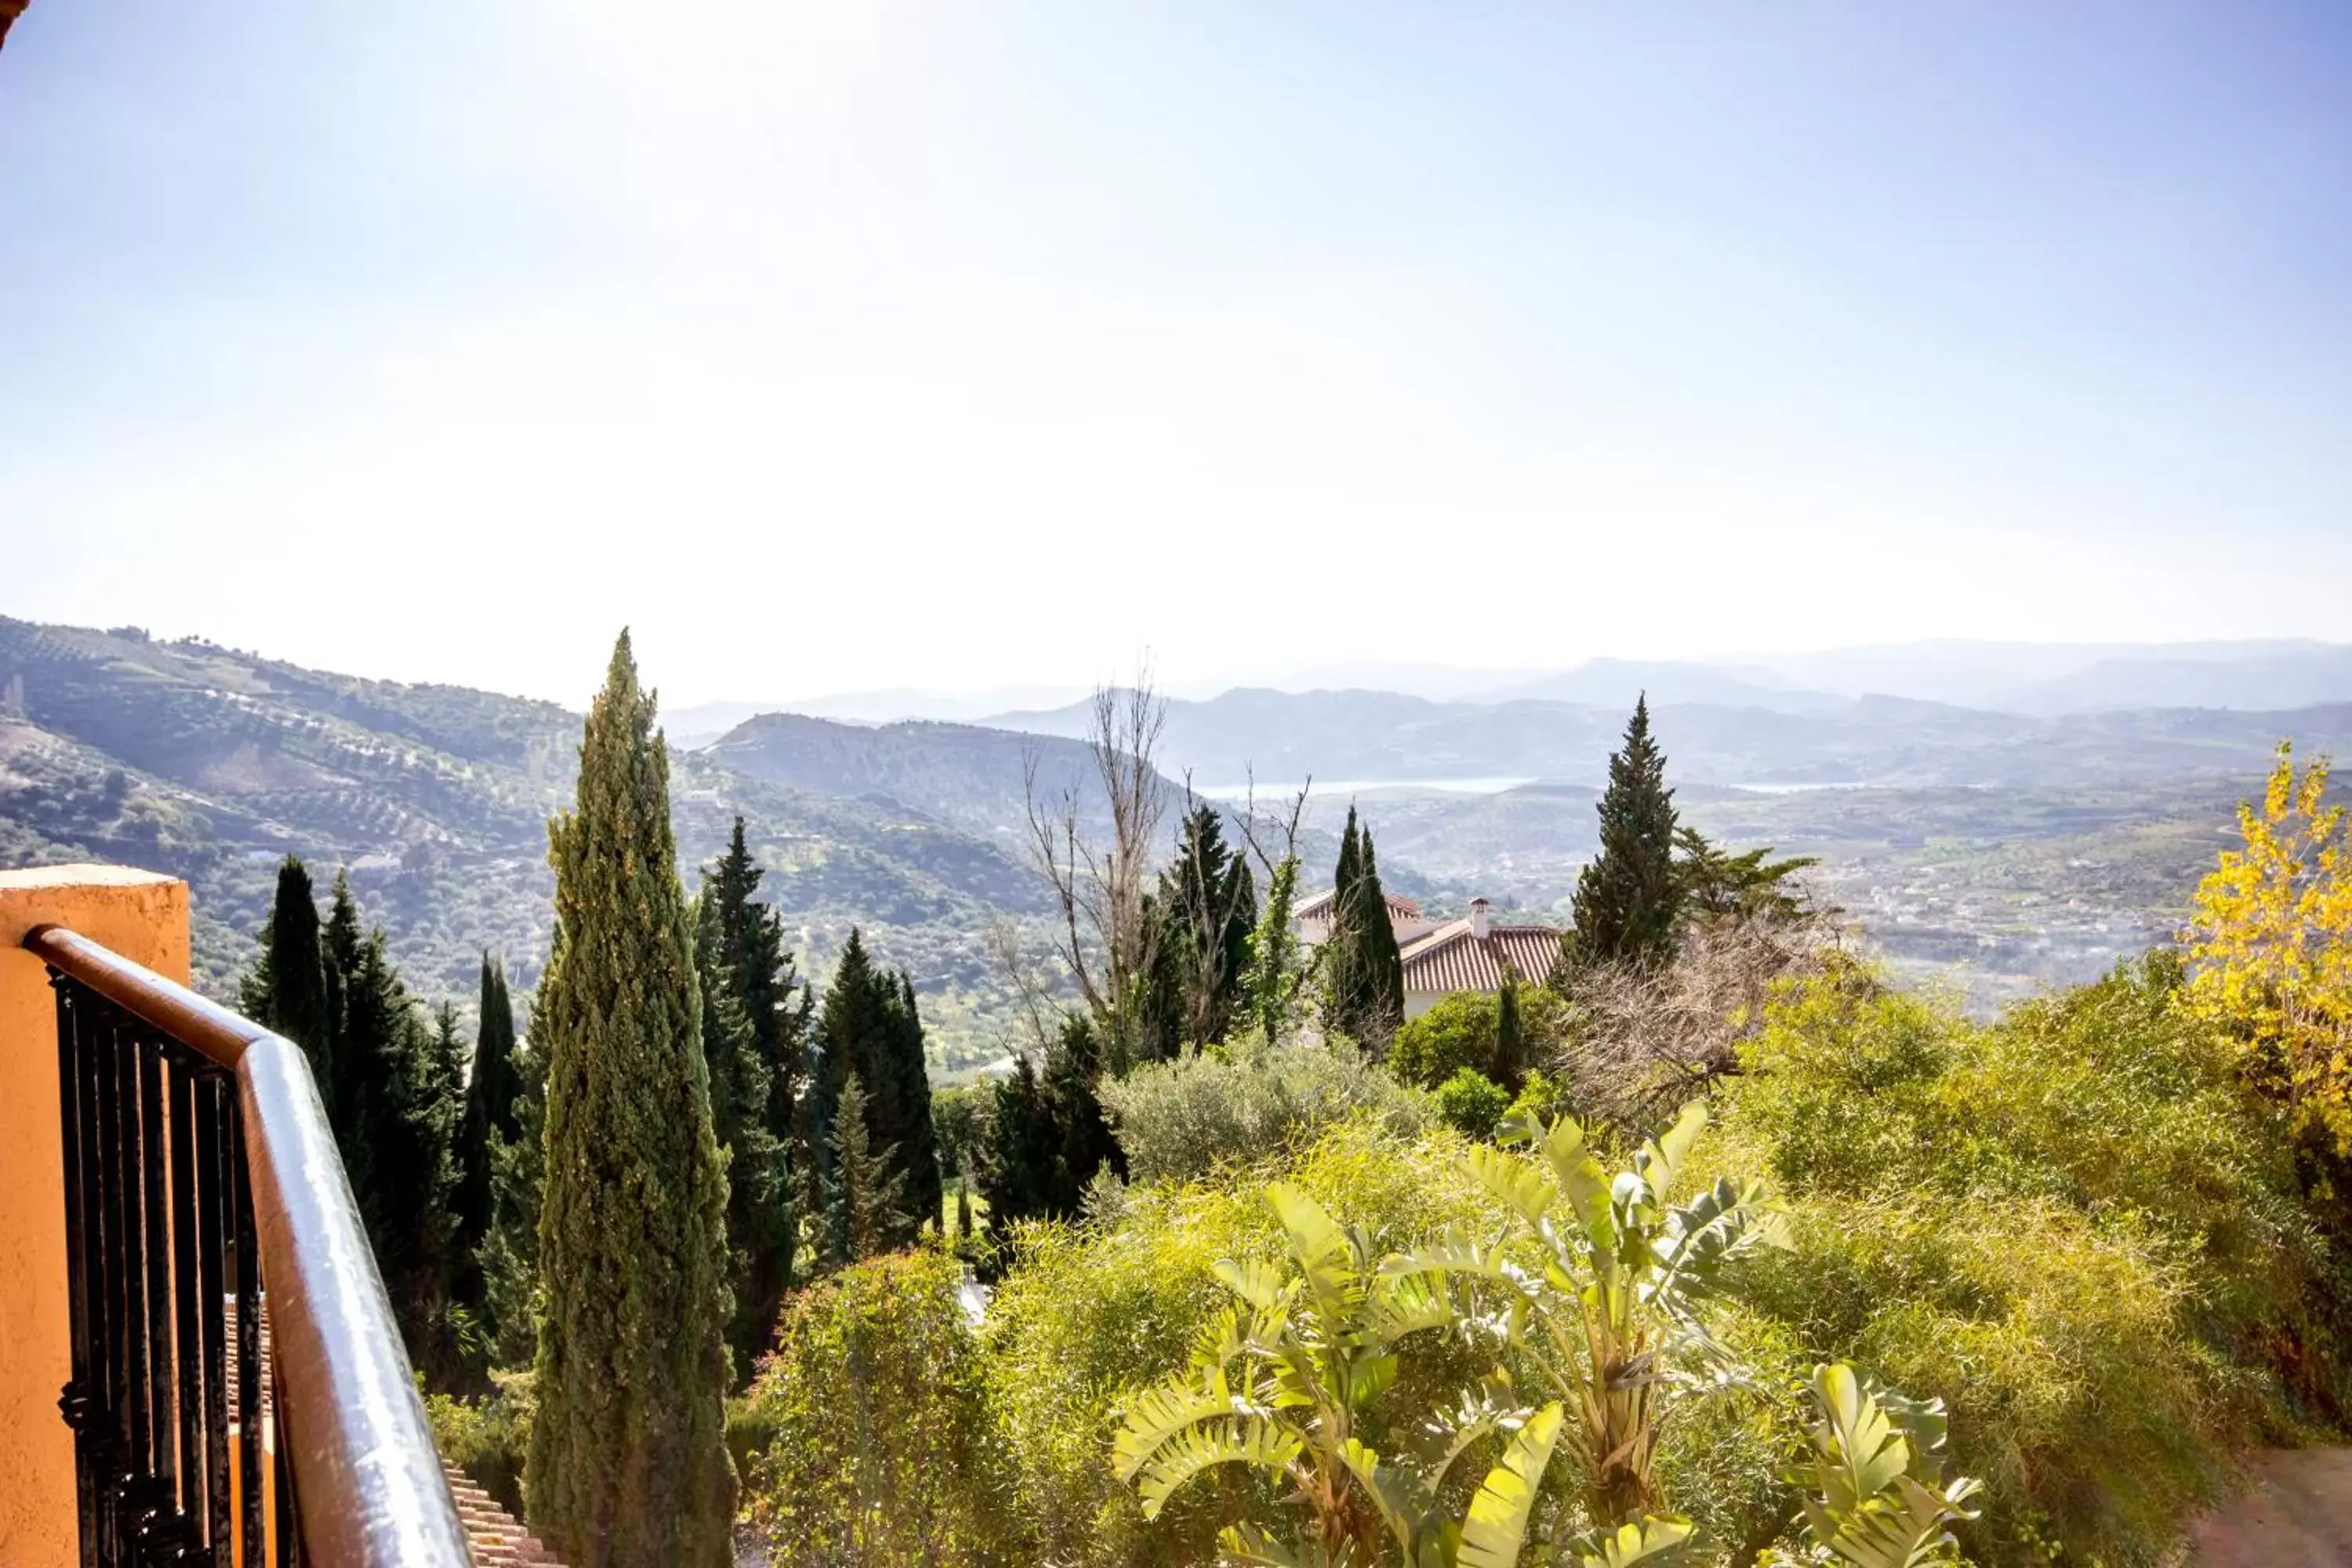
[(847, 345)]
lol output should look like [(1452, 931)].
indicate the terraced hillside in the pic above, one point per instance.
[(211, 764)]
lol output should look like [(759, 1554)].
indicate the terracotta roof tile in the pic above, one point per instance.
[(1450, 959)]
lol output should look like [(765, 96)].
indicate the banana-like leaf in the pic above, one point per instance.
[(1661, 1160), (1495, 1528), (1249, 1440), (1862, 1452), (1630, 1544), (1493, 1406), (1324, 1253), (1157, 1416), (1404, 1504), (1905, 1527), (1260, 1281), (1368, 1378), (1514, 1183), (1580, 1176), (1699, 1238), (1246, 1543)]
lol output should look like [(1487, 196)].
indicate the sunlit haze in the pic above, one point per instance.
[(837, 347)]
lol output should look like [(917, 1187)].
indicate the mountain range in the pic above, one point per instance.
[(2002, 847)]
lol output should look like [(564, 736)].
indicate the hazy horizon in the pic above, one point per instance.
[(837, 351)]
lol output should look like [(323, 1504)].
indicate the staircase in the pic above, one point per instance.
[(497, 1540)]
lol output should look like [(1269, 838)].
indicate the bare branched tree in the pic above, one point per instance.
[(1035, 1016), (1100, 884), (1642, 1040)]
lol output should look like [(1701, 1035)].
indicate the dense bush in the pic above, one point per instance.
[(2074, 1226), (1245, 1102), (1471, 1103), (1094, 1313), (486, 1436), (1459, 1031), (868, 1432)]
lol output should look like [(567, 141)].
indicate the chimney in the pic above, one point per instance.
[(1478, 919)]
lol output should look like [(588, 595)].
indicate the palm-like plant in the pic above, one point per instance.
[(1875, 1492), (1278, 1380), (1613, 1316)]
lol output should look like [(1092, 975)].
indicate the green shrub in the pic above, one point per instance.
[(1094, 1313), (1458, 1032), (486, 1436), (868, 1432), (2073, 1226), (1473, 1103), (1244, 1103)]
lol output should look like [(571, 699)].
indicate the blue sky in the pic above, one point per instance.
[(945, 346)]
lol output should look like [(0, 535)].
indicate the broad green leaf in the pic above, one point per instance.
[(1319, 1247), (1515, 1183), (1403, 1503), (1864, 1453), (1252, 1440), (1260, 1281), (1630, 1544), (1662, 1160), (1495, 1528)]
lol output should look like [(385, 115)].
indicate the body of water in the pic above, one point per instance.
[(1326, 788)]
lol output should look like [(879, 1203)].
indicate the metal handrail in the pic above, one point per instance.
[(367, 1478)]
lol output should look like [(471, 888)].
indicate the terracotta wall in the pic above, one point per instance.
[(144, 918)]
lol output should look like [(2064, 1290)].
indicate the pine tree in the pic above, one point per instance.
[(1207, 906), (1628, 905), (628, 1465), (868, 1028), (287, 990), (869, 1199), (491, 1090), (756, 1078)]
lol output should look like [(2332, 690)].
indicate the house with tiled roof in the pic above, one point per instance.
[(1441, 957), (1312, 917), (1471, 954)]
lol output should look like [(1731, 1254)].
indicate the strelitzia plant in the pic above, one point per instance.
[(1611, 1315), (1876, 1493), (1278, 1382)]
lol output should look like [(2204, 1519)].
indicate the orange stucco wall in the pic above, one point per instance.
[(144, 918)]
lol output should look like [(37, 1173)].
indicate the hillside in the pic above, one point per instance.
[(211, 764)]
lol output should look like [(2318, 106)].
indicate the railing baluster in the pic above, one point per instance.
[(250, 1370), (185, 1334), (114, 1459), (77, 1401), (212, 1165), (159, 1475)]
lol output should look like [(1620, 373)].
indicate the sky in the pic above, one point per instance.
[(948, 346)]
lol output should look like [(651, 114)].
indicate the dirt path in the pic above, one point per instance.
[(2297, 1514)]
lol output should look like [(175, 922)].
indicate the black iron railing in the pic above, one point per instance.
[(239, 1396)]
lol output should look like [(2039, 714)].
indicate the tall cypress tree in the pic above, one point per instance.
[(1342, 987), (341, 942), (628, 1465), (1628, 902), (1363, 974), (492, 1089), (287, 990)]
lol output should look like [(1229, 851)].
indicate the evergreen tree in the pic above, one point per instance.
[(1510, 1035), (339, 943), (755, 1029), (868, 1028), (628, 1465), (402, 1097), (1276, 977), (510, 1256), (1363, 974), (1628, 905), (491, 1090), (1207, 906), (287, 990), (1047, 1137), (869, 1207)]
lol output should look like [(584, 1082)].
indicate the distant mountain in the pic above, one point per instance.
[(1616, 682), (2056, 678), (975, 777), (1366, 738), (706, 721)]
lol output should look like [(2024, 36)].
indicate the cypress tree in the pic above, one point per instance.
[(341, 942), (287, 990), (908, 1111), (1363, 972), (869, 1209), (628, 1465), (1628, 904), (518, 1175), (491, 1090), (1342, 987), (1510, 1035)]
